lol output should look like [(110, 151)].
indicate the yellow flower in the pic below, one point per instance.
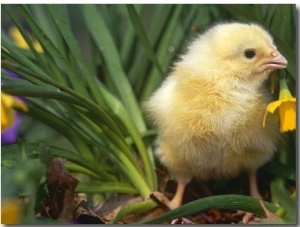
[(11, 211), (20, 41), (8, 103), (286, 106)]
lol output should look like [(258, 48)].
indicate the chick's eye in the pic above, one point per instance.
[(249, 54)]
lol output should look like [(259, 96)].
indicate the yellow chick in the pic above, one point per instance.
[(209, 110)]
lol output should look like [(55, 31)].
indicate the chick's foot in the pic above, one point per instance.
[(176, 202), (270, 217), (160, 199)]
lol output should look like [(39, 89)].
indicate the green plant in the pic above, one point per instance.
[(90, 89)]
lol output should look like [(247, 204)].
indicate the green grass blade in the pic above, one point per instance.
[(74, 168), (26, 37), (154, 78), (268, 12), (131, 169), (131, 173), (135, 208), (138, 72), (282, 198), (43, 19), (60, 17), (128, 41), (108, 136), (228, 202), (33, 150), (139, 29), (32, 90), (105, 44), (53, 55), (87, 103), (123, 117), (281, 170), (105, 187), (54, 122), (59, 14), (22, 59)]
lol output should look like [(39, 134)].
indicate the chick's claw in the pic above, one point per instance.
[(269, 214), (250, 218), (247, 217), (270, 217), (175, 202)]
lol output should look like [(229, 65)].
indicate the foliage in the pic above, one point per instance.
[(99, 63)]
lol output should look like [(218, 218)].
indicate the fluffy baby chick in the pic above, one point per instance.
[(209, 110)]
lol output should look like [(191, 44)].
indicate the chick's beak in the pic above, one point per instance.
[(276, 62)]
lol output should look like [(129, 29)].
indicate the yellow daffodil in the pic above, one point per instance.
[(11, 211), (20, 41), (286, 106), (8, 104)]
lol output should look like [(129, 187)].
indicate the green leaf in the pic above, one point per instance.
[(122, 115), (282, 198), (139, 29), (87, 103), (128, 41), (138, 72), (32, 90), (106, 46), (228, 202), (281, 170), (155, 78), (135, 208), (21, 58), (26, 37), (42, 18), (34, 150), (59, 14), (51, 53), (105, 187)]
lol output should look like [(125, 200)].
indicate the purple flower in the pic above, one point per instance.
[(12, 74), (10, 135)]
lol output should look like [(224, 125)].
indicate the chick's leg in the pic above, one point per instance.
[(178, 197), (254, 192)]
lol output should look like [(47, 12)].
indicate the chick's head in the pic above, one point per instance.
[(245, 52)]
